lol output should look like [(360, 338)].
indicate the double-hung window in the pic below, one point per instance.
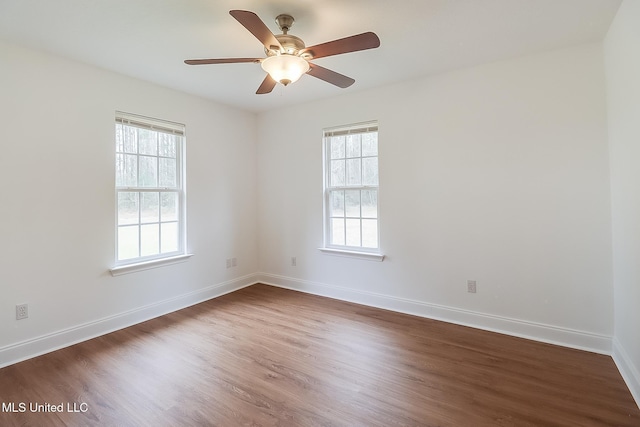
[(150, 194), (351, 188)]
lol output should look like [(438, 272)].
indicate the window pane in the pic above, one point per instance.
[(337, 203), (352, 203), (337, 147), (149, 207), (370, 233), (337, 231), (126, 170), (353, 232), (127, 208), (354, 174), (128, 242), (370, 144), (130, 139), (353, 145), (370, 171), (369, 203), (148, 171), (169, 233), (121, 175), (169, 206), (148, 142), (119, 138), (149, 239), (167, 172), (337, 173), (167, 145)]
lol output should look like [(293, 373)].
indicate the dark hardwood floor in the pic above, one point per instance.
[(265, 356)]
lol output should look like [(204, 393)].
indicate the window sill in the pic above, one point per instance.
[(352, 254), (132, 268)]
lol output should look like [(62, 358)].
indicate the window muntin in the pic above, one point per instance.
[(149, 189), (351, 188)]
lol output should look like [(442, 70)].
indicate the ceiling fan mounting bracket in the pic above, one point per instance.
[(285, 22)]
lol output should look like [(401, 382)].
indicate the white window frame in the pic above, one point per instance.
[(179, 255), (345, 250)]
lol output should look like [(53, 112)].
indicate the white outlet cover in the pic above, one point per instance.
[(22, 311), (471, 286)]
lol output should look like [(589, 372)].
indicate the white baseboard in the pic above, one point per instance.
[(530, 330), (540, 332), (24, 350), (627, 369)]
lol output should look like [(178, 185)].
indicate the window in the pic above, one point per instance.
[(150, 194), (351, 188)]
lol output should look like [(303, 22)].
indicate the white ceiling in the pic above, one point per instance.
[(149, 39)]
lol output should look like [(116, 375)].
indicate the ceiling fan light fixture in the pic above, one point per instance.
[(285, 68)]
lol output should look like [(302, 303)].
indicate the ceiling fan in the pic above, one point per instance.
[(288, 57)]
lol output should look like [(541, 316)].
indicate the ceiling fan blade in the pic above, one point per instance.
[(330, 76), (348, 44), (220, 61), (256, 27), (267, 85)]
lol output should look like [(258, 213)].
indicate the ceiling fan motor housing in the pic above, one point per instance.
[(291, 45)]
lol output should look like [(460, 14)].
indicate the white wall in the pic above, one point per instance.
[(622, 59), (57, 201), (498, 173)]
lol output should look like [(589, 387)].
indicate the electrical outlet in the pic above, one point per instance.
[(471, 286), (228, 262), (234, 262), (294, 261), (22, 311)]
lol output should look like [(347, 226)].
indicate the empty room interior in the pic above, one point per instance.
[(434, 220)]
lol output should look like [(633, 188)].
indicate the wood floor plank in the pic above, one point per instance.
[(265, 356)]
